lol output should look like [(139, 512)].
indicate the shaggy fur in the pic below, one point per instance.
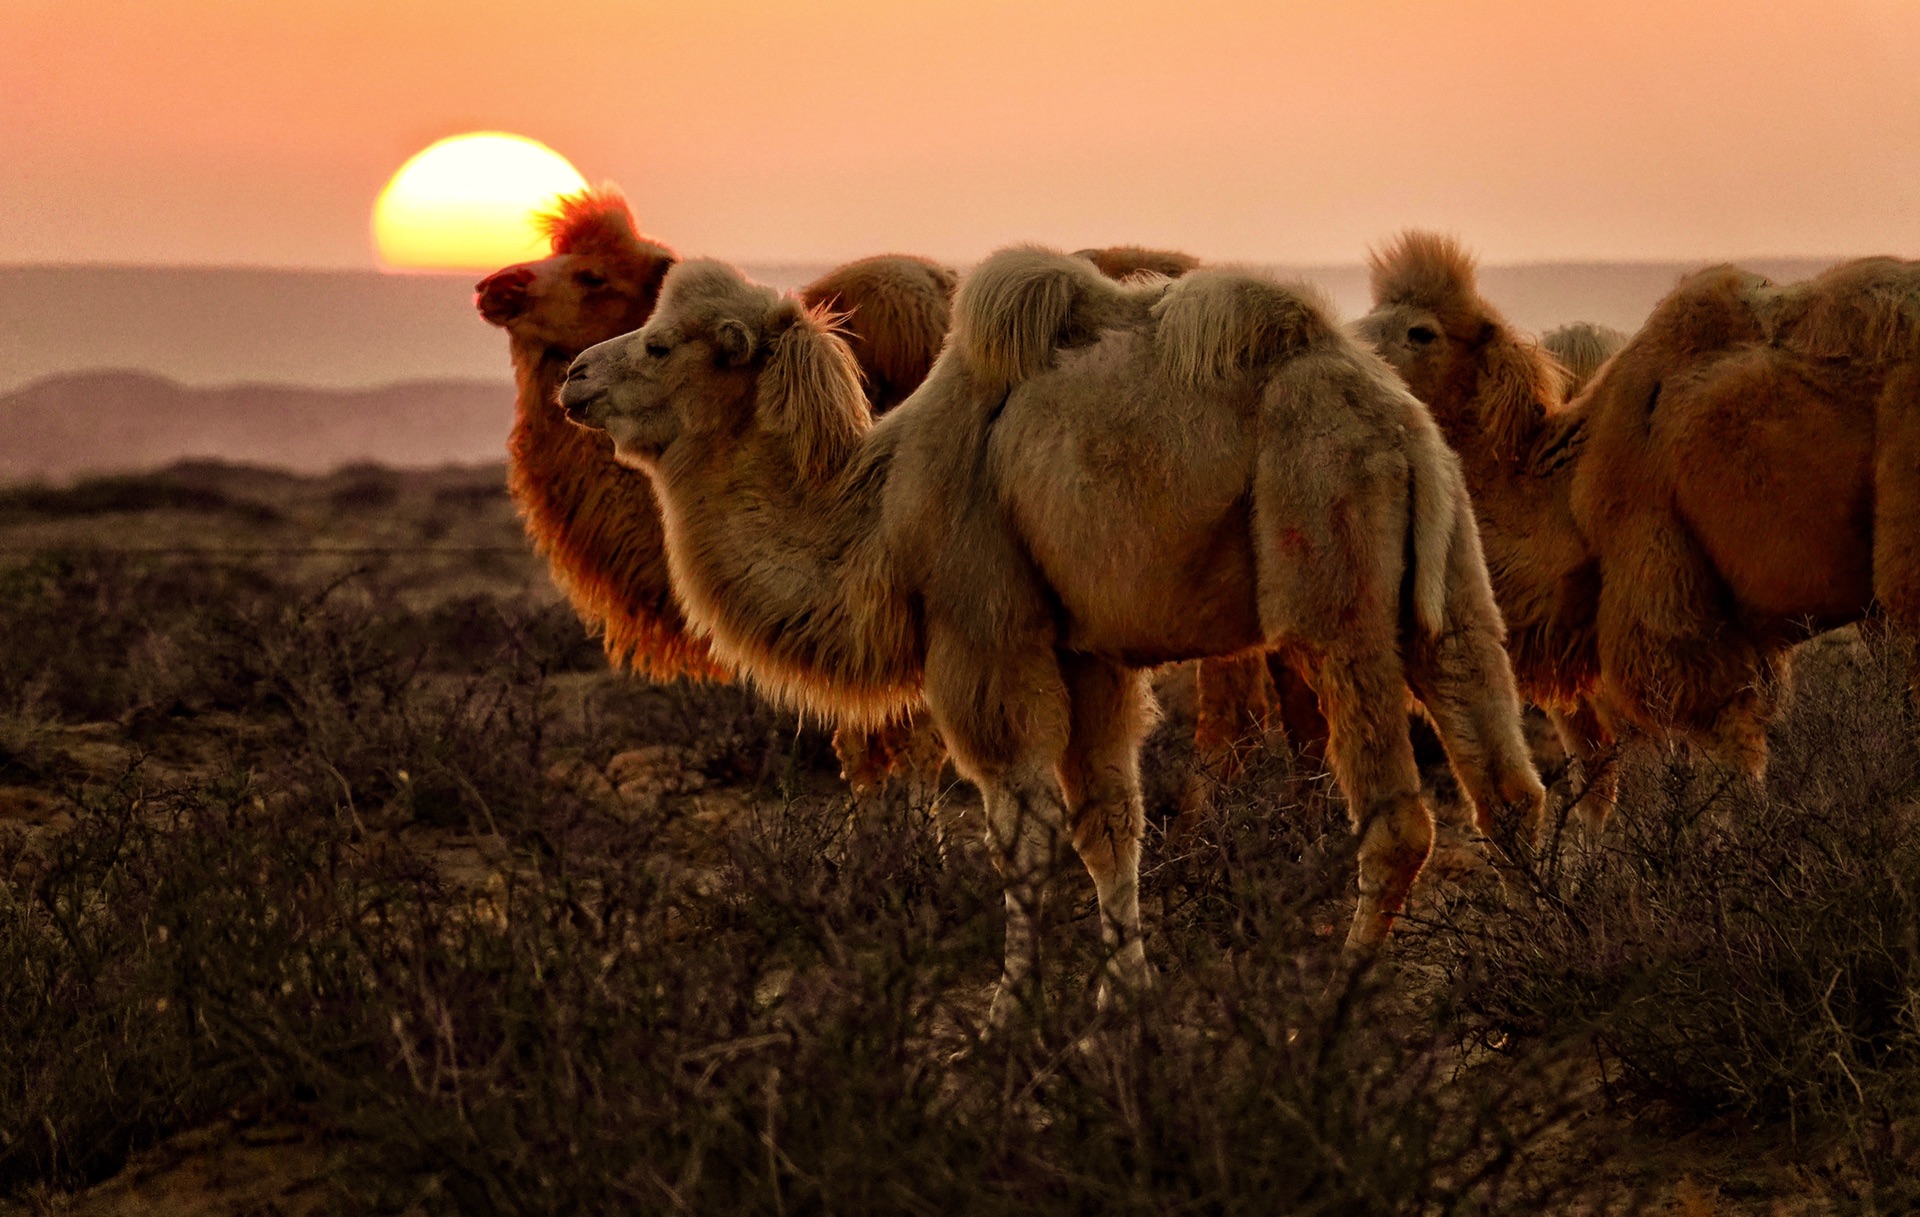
[(1744, 471), (595, 520), (1087, 485), (1581, 347)]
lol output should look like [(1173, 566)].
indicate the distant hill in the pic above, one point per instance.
[(357, 329), (105, 422), (214, 326)]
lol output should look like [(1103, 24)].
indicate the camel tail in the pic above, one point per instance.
[(1020, 306), (1437, 494)]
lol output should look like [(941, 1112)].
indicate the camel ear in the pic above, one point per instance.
[(734, 341)]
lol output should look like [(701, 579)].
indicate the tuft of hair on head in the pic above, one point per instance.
[(1426, 269), (595, 219), (809, 390), (1018, 307), (1214, 323)]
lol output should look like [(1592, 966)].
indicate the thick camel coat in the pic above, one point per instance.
[(1744, 471), (1095, 479)]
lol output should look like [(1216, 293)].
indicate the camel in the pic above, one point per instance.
[(1744, 472), (1095, 479), (597, 523), (1581, 347), (595, 520)]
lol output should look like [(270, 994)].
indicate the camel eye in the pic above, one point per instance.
[(1421, 335), (658, 350), (590, 280)]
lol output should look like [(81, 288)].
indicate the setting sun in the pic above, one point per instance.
[(468, 203)]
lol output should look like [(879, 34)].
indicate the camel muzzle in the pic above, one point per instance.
[(577, 396), (502, 296)]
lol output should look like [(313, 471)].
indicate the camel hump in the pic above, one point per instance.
[(1130, 261), (1427, 269), (897, 310), (1215, 323), (1021, 305), (1581, 347), (1868, 309)]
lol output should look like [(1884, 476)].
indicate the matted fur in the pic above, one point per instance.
[(1060, 507), (1745, 468)]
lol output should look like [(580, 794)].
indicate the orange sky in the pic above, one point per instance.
[(258, 131)]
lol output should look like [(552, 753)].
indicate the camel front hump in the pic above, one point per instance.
[(1773, 474), (1134, 507)]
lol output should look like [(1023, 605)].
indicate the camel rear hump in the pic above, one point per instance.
[(1215, 323)]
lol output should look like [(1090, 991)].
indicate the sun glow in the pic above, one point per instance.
[(468, 202)]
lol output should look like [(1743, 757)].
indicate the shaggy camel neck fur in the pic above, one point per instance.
[(1096, 478), (1745, 469)]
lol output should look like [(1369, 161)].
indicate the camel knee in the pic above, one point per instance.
[(1396, 837)]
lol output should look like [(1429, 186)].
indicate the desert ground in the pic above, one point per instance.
[(340, 874)]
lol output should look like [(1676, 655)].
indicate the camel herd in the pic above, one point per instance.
[(965, 517)]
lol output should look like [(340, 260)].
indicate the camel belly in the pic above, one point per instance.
[(1136, 516), (1774, 477)]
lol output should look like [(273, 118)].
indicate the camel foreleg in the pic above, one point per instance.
[(1100, 773)]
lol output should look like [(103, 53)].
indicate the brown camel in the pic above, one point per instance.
[(597, 521), (1096, 478), (1743, 472)]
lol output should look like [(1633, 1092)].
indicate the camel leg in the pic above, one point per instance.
[(1112, 710), (1463, 678), (1589, 743), (1231, 706), (1368, 748), (1004, 716), (1298, 707), (1670, 658), (1896, 513)]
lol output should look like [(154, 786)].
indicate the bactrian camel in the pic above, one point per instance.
[(1096, 478), (595, 520), (1743, 472)]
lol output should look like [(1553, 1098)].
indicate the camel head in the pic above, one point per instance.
[(1482, 382), (723, 360), (601, 280)]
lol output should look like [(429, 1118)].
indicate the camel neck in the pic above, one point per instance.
[(1542, 572), (793, 579), (596, 523)]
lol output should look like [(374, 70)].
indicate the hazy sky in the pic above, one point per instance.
[(258, 131)]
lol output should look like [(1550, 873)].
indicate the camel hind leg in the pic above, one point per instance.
[(1463, 678), (1896, 512), (1364, 696), (1112, 710)]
